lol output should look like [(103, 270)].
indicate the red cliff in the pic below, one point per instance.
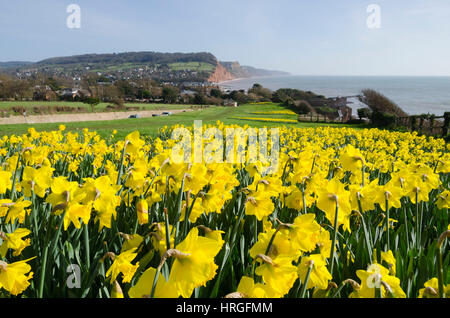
[(220, 74)]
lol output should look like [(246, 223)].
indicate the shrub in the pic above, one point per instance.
[(364, 113), (18, 109), (118, 102), (302, 107), (380, 103), (383, 120)]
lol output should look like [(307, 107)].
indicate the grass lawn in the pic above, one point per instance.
[(194, 66), (6, 106), (150, 126)]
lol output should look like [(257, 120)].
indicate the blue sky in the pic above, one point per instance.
[(322, 37)]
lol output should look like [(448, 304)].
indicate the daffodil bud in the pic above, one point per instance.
[(3, 266), (235, 295), (142, 211), (116, 290)]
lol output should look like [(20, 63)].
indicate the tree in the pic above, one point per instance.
[(262, 93), (215, 93), (54, 85), (364, 113), (146, 94), (170, 94), (303, 107), (125, 88), (118, 102), (283, 94), (380, 103), (200, 99), (92, 102), (239, 96)]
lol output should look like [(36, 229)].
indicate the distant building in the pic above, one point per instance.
[(230, 103), (73, 93), (188, 92), (337, 103), (186, 95), (44, 93)]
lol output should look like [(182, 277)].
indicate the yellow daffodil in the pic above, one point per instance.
[(279, 274), (122, 264), (248, 289), (431, 289), (143, 287), (378, 277), (259, 204), (334, 194), (197, 259), (319, 276), (14, 241), (13, 276)]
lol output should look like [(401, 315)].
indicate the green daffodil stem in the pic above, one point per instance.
[(158, 270), (269, 246), (440, 274), (86, 245), (241, 214), (166, 221), (305, 283), (378, 293), (366, 233), (304, 200), (58, 233), (388, 290), (363, 182), (34, 212), (13, 185), (440, 267), (42, 275), (333, 244), (168, 254), (406, 224), (50, 249), (421, 221), (355, 286), (417, 222), (188, 211), (44, 258), (178, 213), (122, 158), (283, 176), (155, 280), (387, 224), (313, 164)]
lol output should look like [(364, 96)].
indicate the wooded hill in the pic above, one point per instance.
[(170, 67)]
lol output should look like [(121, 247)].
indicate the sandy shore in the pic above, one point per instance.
[(64, 118)]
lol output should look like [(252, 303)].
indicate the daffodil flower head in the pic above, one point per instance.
[(319, 275), (195, 256), (259, 204), (14, 241), (143, 287), (122, 264), (352, 159), (13, 276)]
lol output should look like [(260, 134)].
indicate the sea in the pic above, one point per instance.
[(415, 95)]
